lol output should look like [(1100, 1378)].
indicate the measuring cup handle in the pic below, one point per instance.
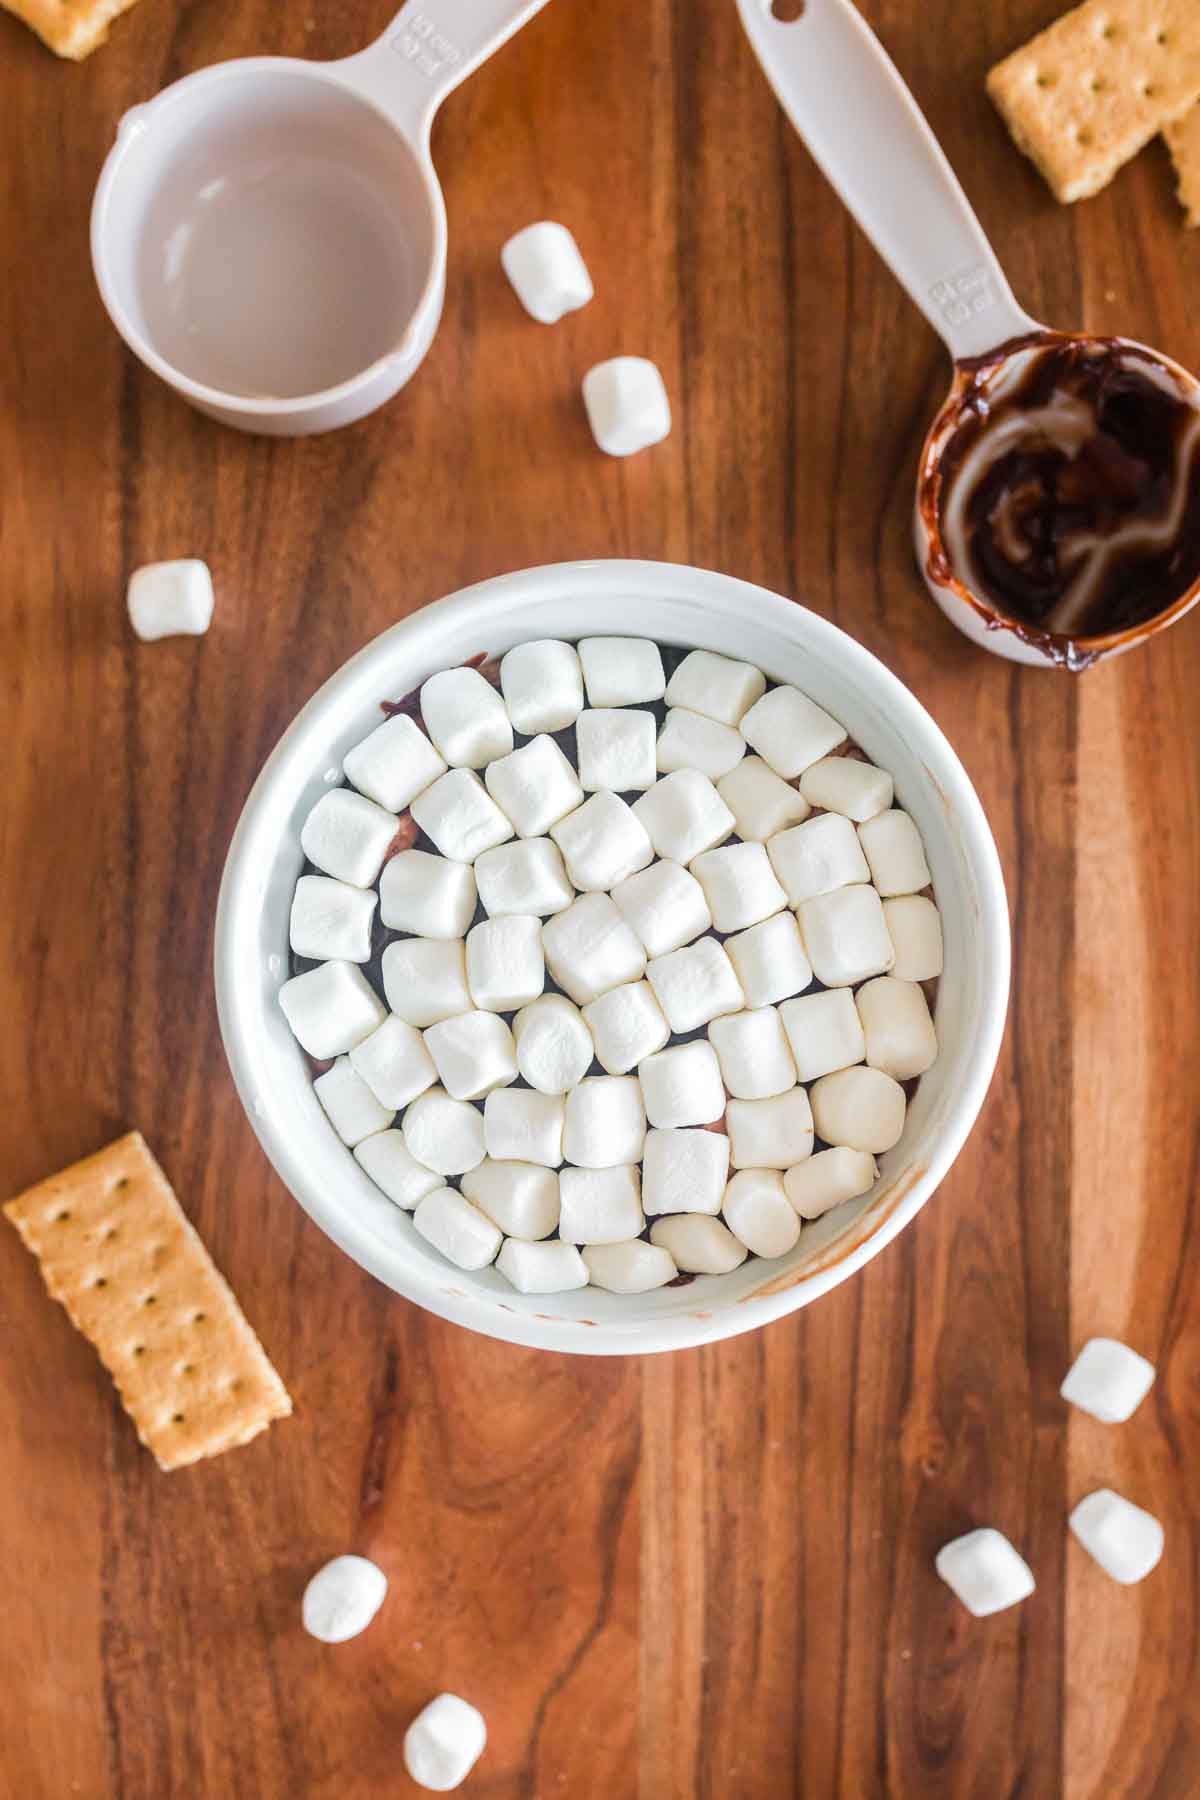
[(843, 94), (429, 47)]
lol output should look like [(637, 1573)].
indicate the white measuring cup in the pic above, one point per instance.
[(864, 130), (269, 234)]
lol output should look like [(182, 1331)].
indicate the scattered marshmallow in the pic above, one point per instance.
[(535, 786), (684, 814), (527, 877), (445, 1135), (466, 718), (425, 980), (665, 906), (1108, 1380), (915, 928), (716, 686), (602, 842), (331, 1008), (752, 1049), (818, 856), (826, 1179), (394, 1063), (520, 1197), (604, 1122), (739, 885), (548, 275), (330, 920), (342, 1598), (698, 1245), (542, 685), (790, 731), (842, 784), (617, 748), (893, 848), (860, 1107), (761, 802), (632, 1267), (460, 816), (443, 1743), (824, 1031), (521, 1125), (899, 1032), (984, 1571), (589, 948), (394, 764), (627, 404), (349, 1104), (428, 895), (387, 1159), (599, 1206), (621, 671), (769, 960), (474, 1053), (1126, 1541), (684, 1171), (694, 985), (683, 1086), (543, 1268), (170, 599), (554, 1044), (627, 1025), (505, 965), (845, 935), (770, 1134), (465, 1236), (690, 741), (347, 836), (759, 1213)]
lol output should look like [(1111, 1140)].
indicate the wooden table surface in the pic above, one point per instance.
[(699, 1577)]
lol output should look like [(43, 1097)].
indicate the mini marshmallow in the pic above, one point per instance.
[(665, 906), (342, 1598), (893, 848), (759, 1213), (1108, 1380), (394, 764), (790, 731), (527, 877), (443, 1743), (616, 747), (460, 816), (554, 1044), (349, 1104), (535, 787), (599, 1206), (520, 1197), (347, 836), (984, 1571), (466, 718), (845, 935), (862, 1108), (604, 1122), (521, 1125), (545, 1268), (684, 815), (443, 1134), (915, 928), (548, 275), (752, 1050), (716, 686), (330, 920), (542, 685), (589, 948), (428, 895), (392, 1167), (331, 1008), (626, 1024), (633, 1267), (627, 405), (621, 671), (690, 741), (761, 802), (844, 785), (739, 885), (684, 1171), (769, 960), (698, 1246), (815, 858), (394, 1063), (474, 1053), (1126, 1541), (465, 1236), (826, 1179), (505, 965), (899, 1031), (170, 599), (682, 1085), (824, 1031), (425, 980), (602, 842), (694, 985), (769, 1134)]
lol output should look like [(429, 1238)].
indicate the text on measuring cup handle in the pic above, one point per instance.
[(420, 43)]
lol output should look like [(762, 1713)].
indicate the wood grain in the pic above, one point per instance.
[(707, 1577)]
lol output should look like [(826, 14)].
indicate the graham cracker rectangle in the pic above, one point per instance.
[(1183, 141), (1084, 96), (117, 1250), (71, 28)]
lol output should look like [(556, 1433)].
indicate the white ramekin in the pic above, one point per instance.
[(676, 605)]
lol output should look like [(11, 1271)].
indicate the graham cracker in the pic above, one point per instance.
[(71, 28), (1084, 96), (1183, 141), (117, 1250)]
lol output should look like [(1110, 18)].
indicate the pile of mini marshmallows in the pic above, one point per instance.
[(740, 948)]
